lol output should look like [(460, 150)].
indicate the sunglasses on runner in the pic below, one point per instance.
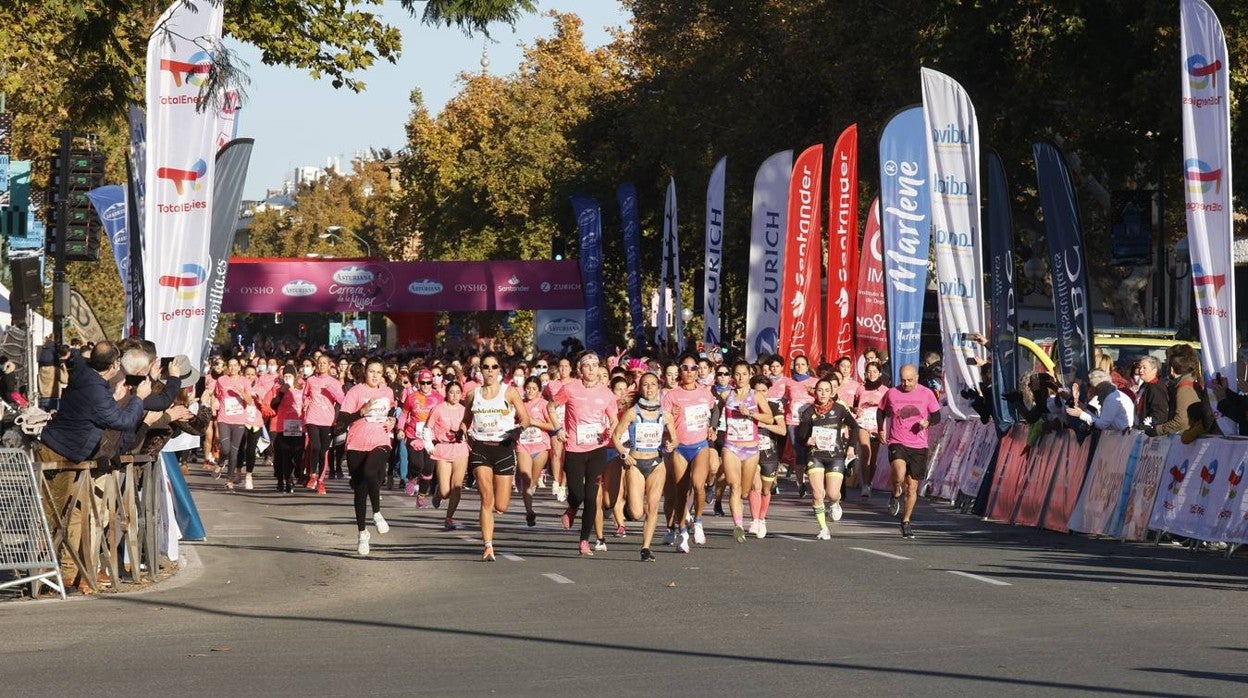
[(426, 382), (541, 367), (688, 367), (722, 374), (490, 367)]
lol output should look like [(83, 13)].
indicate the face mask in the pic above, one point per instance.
[(437, 381), (290, 381), (273, 369), (518, 380), (307, 371)]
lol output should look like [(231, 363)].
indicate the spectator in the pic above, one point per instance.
[(1116, 411), (1187, 408), (1152, 402)]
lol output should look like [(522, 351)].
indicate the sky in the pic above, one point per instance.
[(297, 120)]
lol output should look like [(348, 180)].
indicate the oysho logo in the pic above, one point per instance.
[(298, 288), (186, 283), (256, 290), (353, 276), (183, 177), (565, 326), (194, 70), (1201, 74), (424, 287), (1201, 177)]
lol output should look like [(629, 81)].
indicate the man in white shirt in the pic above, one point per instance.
[(1116, 413)]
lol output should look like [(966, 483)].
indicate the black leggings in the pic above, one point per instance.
[(584, 475), (368, 469), (251, 437), (419, 465), (320, 438), (287, 456)]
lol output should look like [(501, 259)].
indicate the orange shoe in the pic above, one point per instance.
[(313, 482), (320, 488)]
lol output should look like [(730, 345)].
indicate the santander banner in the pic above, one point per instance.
[(870, 313), (803, 258), (767, 225), (1207, 174), (364, 285), (181, 151), (842, 245)]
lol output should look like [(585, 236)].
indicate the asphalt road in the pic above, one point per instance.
[(277, 602)]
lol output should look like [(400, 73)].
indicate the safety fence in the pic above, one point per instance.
[(26, 552)]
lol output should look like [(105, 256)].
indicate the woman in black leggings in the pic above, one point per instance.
[(368, 413)]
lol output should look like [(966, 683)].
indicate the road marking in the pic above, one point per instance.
[(469, 539), (881, 553), (787, 536), (512, 556), (558, 578), (981, 578)]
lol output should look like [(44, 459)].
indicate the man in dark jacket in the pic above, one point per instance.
[(88, 407), (1152, 401)]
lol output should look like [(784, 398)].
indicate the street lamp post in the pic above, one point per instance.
[(335, 232)]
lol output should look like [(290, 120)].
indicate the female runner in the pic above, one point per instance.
[(822, 429), (770, 436), (589, 421), (534, 448), (450, 453), (744, 410), (644, 472), (367, 413), (493, 420), (559, 440), (321, 393), (798, 394), (866, 410), (417, 441), (690, 405)]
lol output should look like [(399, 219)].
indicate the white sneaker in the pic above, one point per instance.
[(699, 535), (363, 547), (561, 492), (600, 545), (684, 542), (670, 538), (836, 511), (380, 522), (247, 482), (762, 528), (824, 534), (753, 529)]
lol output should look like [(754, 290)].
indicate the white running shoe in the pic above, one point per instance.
[(836, 511), (363, 547), (380, 522), (561, 492), (247, 484), (824, 534), (670, 538), (600, 545), (684, 541), (699, 535), (762, 528), (753, 529)]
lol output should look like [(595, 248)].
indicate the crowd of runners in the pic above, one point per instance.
[(632, 439)]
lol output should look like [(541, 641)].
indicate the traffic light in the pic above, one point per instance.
[(558, 248), (303, 331), (74, 177), (277, 318)]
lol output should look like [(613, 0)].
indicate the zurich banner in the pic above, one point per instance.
[(768, 222), (1067, 263), (589, 225), (905, 222), (1003, 340), (630, 222), (109, 203), (714, 253)]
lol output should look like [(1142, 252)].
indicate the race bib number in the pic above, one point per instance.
[(531, 436), (486, 422), (869, 418), (741, 430), (764, 444), (379, 411), (825, 437), (292, 427), (649, 436), (697, 417), (232, 406), (587, 434)]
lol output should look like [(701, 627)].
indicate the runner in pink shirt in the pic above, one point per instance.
[(558, 439), (368, 413), (589, 419), (418, 404), (690, 405), (909, 408), (232, 395), (866, 410), (321, 393), (286, 430), (799, 392), (534, 447), (450, 452)]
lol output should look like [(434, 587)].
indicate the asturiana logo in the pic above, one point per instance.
[(187, 282), (1202, 74), (425, 287), (115, 212), (1201, 177), (181, 177), (565, 326), (298, 288), (353, 276)]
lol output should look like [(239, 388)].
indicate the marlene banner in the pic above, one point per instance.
[(870, 310), (362, 285)]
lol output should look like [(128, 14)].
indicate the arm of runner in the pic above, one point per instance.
[(522, 412)]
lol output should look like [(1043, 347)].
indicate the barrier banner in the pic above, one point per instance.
[(630, 223), (589, 228), (230, 178), (1189, 470), (1142, 486), (951, 454), (1003, 334), (1068, 475), (713, 274), (800, 302), (347, 285), (1041, 465), (905, 221), (842, 257), (871, 328), (952, 139), (109, 203), (1206, 109), (1223, 512), (1097, 508), (768, 221), (1008, 475), (979, 460), (181, 150), (1066, 263)]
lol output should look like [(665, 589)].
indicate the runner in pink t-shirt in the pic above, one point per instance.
[(589, 418), (909, 408), (866, 410), (558, 439), (799, 392), (418, 404), (690, 405), (534, 448), (450, 452), (321, 392), (368, 410)]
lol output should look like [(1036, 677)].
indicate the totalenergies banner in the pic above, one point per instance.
[(1207, 173), (870, 311), (953, 154), (362, 285), (842, 245), (768, 221), (181, 151), (906, 225), (803, 260)]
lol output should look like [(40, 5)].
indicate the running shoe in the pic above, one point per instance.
[(320, 488), (290, 488), (229, 485), (866, 493), (363, 544), (313, 481), (684, 541), (216, 473), (738, 533), (437, 499), (699, 535), (561, 492), (894, 506), (824, 534), (753, 531), (719, 508), (410, 488), (600, 545), (281, 486), (836, 511), (380, 522), (420, 501), (620, 531), (247, 482), (801, 491), (646, 555), (568, 517), (449, 525), (906, 530), (762, 528), (488, 555), (530, 519), (585, 549), (670, 538)]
